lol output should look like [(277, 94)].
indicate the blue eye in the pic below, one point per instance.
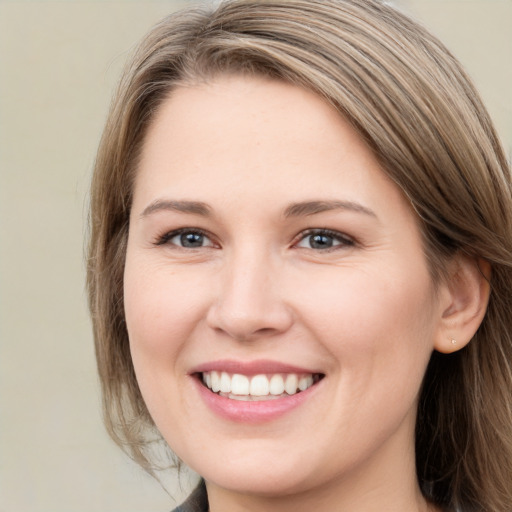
[(186, 238), (322, 239)]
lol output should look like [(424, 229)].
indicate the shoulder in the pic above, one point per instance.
[(196, 502)]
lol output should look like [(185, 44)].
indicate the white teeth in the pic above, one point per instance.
[(225, 383), (259, 386), (241, 387), (277, 385), (215, 382), (292, 383), (305, 382), (239, 384)]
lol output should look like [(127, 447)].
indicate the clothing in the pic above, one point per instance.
[(196, 502)]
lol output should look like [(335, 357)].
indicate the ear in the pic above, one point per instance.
[(464, 297)]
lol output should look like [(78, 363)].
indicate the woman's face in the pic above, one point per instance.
[(269, 253)]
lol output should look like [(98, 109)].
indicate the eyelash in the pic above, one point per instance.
[(343, 240), (167, 237)]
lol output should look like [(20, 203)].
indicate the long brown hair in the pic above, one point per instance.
[(411, 101)]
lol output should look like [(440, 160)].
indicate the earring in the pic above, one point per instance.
[(454, 341)]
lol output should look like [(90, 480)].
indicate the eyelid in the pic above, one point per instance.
[(167, 236), (346, 240)]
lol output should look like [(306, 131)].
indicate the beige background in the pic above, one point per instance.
[(59, 61)]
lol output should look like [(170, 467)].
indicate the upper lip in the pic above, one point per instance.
[(257, 367)]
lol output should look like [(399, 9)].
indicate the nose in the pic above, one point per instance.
[(250, 303)]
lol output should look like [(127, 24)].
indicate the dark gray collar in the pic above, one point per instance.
[(196, 502)]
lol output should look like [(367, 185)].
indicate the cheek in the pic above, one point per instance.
[(372, 320), (379, 332), (162, 307), (162, 310)]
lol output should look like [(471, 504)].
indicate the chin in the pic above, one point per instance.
[(264, 482), (269, 476)]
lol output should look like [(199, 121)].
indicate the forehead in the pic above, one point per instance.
[(255, 138), (248, 111)]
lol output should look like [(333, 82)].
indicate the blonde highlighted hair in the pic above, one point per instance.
[(413, 104)]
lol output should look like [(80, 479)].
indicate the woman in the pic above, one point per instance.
[(300, 262)]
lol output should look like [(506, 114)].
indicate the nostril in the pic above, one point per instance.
[(248, 324)]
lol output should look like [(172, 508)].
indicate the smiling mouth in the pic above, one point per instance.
[(261, 387)]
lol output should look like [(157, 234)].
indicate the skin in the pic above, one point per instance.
[(364, 312)]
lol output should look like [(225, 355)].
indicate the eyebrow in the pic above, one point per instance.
[(299, 209), (312, 207), (194, 207)]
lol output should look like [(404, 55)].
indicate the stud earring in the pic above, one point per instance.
[(454, 341)]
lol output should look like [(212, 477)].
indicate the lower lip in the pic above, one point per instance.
[(253, 411)]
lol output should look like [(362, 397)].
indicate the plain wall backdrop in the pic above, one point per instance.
[(59, 62)]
